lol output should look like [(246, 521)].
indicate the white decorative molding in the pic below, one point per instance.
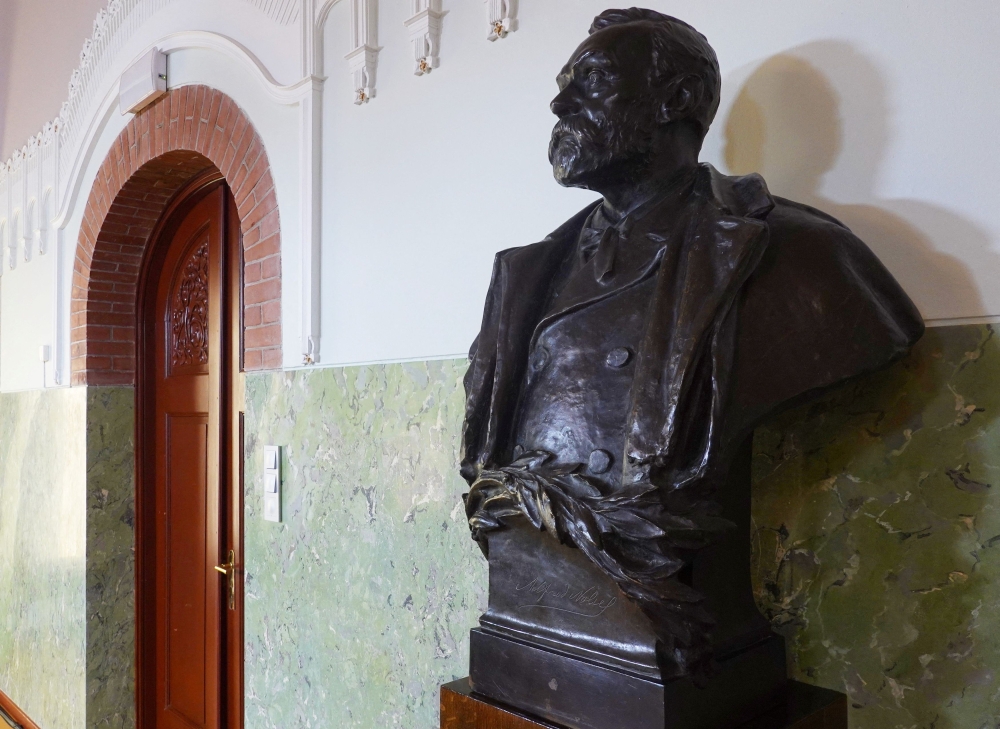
[(425, 34), (282, 12), (60, 322), (315, 35), (502, 17), (189, 39), (41, 233), (28, 228), (363, 60), (12, 236), (3, 241), (310, 205)]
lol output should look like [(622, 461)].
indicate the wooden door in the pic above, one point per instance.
[(190, 642)]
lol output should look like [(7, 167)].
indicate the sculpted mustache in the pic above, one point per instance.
[(580, 129)]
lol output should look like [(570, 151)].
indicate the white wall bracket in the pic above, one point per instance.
[(425, 34), (502, 16), (363, 60)]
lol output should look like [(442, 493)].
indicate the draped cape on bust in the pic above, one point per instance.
[(758, 302)]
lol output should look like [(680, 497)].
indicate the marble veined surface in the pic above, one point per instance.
[(877, 529), (877, 535), (110, 558), (42, 554), (359, 603), (877, 541)]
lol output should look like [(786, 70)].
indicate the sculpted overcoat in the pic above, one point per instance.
[(750, 303), (773, 299)]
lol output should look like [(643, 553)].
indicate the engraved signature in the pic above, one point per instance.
[(586, 600)]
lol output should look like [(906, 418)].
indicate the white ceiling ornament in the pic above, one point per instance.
[(100, 23), (425, 34), (88, 46), (363, 59), (502, 16)]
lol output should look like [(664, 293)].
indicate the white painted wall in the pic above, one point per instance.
[(879, 113), (427, 181), (882, 114)]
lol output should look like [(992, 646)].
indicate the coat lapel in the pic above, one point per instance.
[(518, 295), (585, 290), (724, 239)]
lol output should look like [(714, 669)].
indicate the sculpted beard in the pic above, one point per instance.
[(581, 148)]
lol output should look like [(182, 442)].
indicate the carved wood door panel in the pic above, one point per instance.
[(190, 461)]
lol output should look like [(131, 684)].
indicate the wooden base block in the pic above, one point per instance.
[(807, 707)]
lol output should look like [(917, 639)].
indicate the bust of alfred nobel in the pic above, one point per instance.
[(624, 360)]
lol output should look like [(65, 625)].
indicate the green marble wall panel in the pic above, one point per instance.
[(110, 558), (877, 543), (877, 537), (359, 603), (877, 534), (42, 554)]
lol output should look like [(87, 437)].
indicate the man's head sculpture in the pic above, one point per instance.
[(642, 86), (622, 365)]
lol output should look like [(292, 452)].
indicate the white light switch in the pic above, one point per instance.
[(272, 483), (272, 509), (271, 458)]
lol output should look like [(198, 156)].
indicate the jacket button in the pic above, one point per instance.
[(619, 357), (540, 358), (599, 462)]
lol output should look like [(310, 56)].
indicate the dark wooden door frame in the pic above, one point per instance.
[(14, 713), (231, 491)]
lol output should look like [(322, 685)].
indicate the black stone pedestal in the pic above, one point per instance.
[(572, 692)]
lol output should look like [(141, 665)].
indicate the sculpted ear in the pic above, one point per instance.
[(681, 97)]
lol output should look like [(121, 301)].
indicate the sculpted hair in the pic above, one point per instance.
[(678, 50)]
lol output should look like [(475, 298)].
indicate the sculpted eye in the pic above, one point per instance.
[(595, 76)]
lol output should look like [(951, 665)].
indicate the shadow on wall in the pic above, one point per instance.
[(876, 512), (789, 123)]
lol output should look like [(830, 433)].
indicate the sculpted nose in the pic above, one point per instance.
[(565, 103)]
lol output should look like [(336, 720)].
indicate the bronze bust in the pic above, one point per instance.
[(613, 389)]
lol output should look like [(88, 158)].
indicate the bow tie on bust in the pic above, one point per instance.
[(600, 240)]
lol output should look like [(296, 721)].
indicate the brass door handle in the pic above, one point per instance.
[(229, 570)]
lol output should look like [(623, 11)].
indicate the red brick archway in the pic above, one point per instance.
[(184, 133)]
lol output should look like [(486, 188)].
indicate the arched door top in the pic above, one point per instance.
[(185, 132)]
